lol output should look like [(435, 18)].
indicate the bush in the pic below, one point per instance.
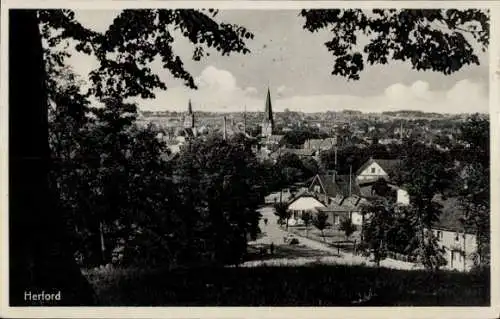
[(294, 241), (335, 285)]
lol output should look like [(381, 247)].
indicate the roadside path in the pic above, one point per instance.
[(274, 234)]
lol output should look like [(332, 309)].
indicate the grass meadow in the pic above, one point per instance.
[(314, 285)]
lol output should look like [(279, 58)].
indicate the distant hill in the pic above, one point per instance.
[(413, 113)]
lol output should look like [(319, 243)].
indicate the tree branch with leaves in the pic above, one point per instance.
[(430, 39)]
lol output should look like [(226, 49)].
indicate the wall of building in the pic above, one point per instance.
[(357, 218), (458, 246), (372, 172), (403, 197), (303, 204)]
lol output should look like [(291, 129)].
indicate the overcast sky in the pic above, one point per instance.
[(296, 66)]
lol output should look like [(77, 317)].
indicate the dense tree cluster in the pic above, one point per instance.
[(126, 202), (297, 137), (351, 156), (109, 190), (425, 173)]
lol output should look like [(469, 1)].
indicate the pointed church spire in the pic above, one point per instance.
[(268, 121), (268, 115), (189, 117)]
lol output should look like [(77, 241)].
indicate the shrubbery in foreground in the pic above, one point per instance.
[(290, 286)]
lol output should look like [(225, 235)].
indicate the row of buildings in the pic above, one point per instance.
[(189, 128), (344, 196)]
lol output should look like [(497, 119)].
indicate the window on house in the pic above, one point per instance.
[(336, 220), (439, 234), (373, 170), (317, 188), (456, 237)]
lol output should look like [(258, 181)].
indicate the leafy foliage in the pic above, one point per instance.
[(402, 234), (136, 38), (347, 227), (281, 210), (310, 285), (219, 196), (475, 187), (113, 183), (376, 228), (426, 174), (307, 219), (430, 39), (296, 138), (290, 168), (320, 222), (354, 156)]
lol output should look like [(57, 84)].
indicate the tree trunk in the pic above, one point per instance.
[(40, 258), (103, 243)]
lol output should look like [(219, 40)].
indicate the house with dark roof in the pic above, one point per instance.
[(370, 190), (327, 187), (345, 207), (374, 169), (460, 245)]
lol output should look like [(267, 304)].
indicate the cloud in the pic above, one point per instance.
[(220, 81), (251, 90), (281, 90), (399, 92), (466, 92), (464, 96), (219, 91), (420, 89)]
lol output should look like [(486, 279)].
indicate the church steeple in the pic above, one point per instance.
[(268, 121), (268, 115), (190, 108), (189, 117)]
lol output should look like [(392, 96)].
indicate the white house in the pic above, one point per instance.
[(374, 169), (301, 204), (460, 246)]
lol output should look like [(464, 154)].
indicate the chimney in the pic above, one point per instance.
[(350, 180), (335, 157)]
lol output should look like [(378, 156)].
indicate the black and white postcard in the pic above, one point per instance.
[(236, 159)]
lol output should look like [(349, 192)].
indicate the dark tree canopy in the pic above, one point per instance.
[(136, 38), (125, 53), (430, 39)]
